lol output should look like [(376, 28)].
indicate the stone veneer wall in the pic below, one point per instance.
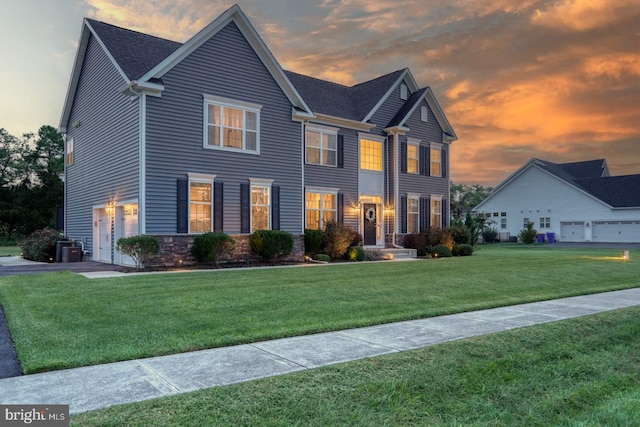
[(174, 251)]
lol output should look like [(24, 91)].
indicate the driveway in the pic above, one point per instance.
[(12, 265)]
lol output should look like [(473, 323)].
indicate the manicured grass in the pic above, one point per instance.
[(63, 320), (579, 372), (10, 250)]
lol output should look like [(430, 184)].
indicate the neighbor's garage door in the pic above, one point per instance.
[(572, 231), (616, 231)]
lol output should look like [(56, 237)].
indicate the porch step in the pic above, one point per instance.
[(397, 253)]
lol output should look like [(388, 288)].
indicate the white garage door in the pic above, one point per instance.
[(616, 231), (572, 231)]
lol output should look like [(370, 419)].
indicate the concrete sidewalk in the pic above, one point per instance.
[(95, 387)]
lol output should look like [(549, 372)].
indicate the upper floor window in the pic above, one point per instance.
[(424, 113), (413, 214), (436, 160), (321, 146), (370, 155), (404, 92), (436, 211), (69, 152), (200, 203), (413, 156), (232, 125), (321, 206)]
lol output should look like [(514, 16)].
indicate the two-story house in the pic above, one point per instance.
[(172, 140)]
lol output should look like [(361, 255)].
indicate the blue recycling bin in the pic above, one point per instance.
[(540, 238), (551, 237)]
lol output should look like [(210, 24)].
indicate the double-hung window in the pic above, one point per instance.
[(321, 145), (436, 160), (231, 125), (321, 206), (200, 203), (413, 156), (413, 214), (436, 211), (260, 204)]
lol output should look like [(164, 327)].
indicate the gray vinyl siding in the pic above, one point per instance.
[(105, 167), (387, 111), (345, 178), (223, 66)]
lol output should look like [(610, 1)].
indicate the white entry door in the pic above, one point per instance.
[(104, 236)]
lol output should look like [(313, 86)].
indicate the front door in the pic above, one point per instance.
[(370, 224), (104, 236)]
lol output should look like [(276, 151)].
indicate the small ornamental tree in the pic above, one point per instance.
[(139, 248), (209, 247), (528, 234)]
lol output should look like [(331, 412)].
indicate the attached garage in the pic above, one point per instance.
[(616, 231), (572, 231)]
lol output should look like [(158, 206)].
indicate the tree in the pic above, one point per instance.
[(139, 248), (466, 197)]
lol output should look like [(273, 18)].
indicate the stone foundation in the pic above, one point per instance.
[(174, 251)]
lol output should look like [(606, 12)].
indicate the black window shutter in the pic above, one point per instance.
[(444, 163), (245, 208), (424, 164), (424, 213), (403, 214), (427, 162), (218, 208), (182, 213), (340, 203), (445, 213), (341, 151), (275, 207), (403, 157)]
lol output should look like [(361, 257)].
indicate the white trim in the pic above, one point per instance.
[(371, 137), (321, 209), (261, 181), (342, 122), (142, 167), (265, 183), (315, 189), (321, 130), (413, 140), (411, 84), (245, 107), (202, 177), (230, 102)]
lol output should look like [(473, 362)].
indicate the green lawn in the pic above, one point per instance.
[(578, 372), (63, 320), (10, 250)]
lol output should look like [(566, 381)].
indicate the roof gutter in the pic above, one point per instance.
[(135, 88)]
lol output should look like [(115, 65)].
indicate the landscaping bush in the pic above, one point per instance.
[(356, 253), (462, 250), (489, 235), (337, 239), (439, 236), (322, 257), (41, 245), (417, 241), (139, 248), (528, 234), (313, 240), (271, 244), (356, 238), (440, 251), (461, 234), (209, 247)]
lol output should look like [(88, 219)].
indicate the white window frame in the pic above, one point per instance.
[(245, 107), (435, 152), (322, 192), (424, 113), (404, 92), (200, 179), (322, 131), (413, 215), (376, 140), (68, 153), (435, 213), (503, 220), (261, 183), (416, 160), (545, 222)]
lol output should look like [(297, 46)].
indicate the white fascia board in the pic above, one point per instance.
[(342, 123), (106, 51), (411, 82), (233, 14)]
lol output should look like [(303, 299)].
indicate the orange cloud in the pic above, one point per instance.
[(581, 15)]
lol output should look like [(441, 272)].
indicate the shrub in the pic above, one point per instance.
[(356, 253), (357, 238), (461, 234), (209, 247), (462, 250), (41, 245), (528, 234), (417, 241), (440, 251), (322, 257), (139, 248), (313, 241), (489, 235), (271, 244), (439, 236), (337, 239)]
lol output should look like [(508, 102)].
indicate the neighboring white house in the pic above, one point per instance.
[(577, 202)]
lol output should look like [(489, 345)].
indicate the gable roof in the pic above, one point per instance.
[(142, 60), (590, 177)]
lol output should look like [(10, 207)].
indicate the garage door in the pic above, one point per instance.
[(572, 231), (616, 231)]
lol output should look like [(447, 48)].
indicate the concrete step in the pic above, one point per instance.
[(397, 253)]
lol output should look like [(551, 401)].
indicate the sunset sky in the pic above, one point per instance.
[(557, 80)]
